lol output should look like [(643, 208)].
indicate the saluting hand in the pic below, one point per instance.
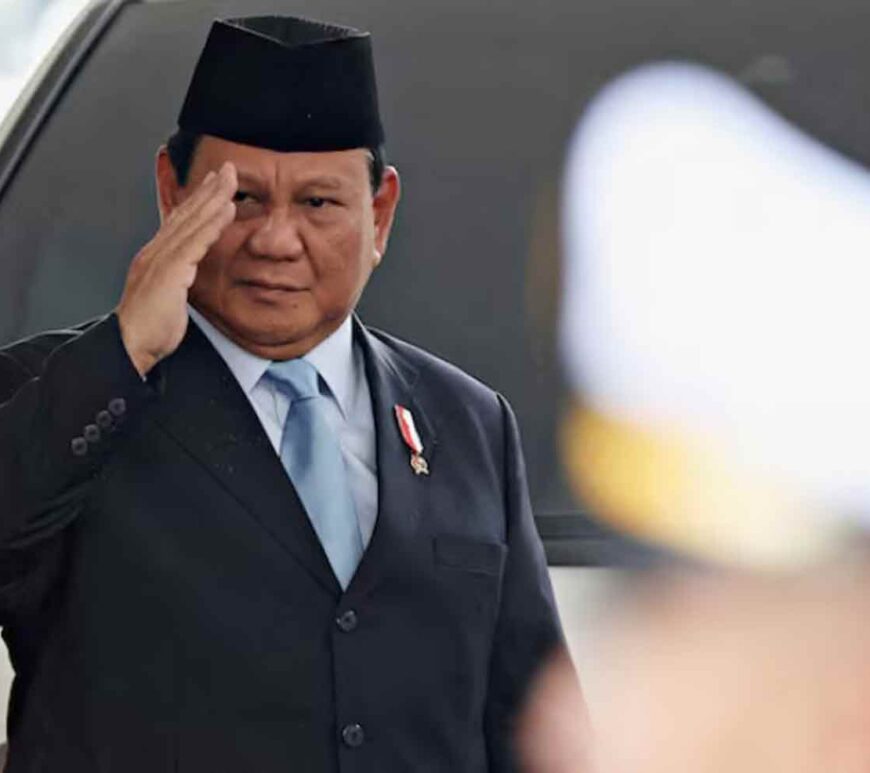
[(153, 309)]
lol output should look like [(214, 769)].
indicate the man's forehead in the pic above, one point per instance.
[(262, 164)]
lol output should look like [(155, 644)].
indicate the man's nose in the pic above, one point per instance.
[(277, 237)]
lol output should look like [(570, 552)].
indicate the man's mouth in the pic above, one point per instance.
[(261, 284)]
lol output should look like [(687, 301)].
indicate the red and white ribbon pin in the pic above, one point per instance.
[(412, 439)]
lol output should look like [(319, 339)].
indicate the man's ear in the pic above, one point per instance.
[(384, 203), (168, 189)]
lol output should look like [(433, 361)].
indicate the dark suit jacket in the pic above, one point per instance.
[(168, 607)]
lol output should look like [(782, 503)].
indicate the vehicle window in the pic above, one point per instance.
[(30, 31)]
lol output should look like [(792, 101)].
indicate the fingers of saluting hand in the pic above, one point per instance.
[(201, 218), (152, 312), (213, 184)]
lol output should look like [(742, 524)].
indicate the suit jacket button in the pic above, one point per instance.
[(105, 420), (353, 736), (92, 433), (347, 621), (117, 406), (79, 446)]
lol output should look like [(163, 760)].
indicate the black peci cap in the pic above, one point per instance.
[(286, 84)]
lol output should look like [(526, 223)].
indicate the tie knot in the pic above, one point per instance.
[(296, 378)]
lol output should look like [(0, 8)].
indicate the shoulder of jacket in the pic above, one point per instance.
[(437, 374), (29, 354)]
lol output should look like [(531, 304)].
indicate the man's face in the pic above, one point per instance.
[(307, 234)]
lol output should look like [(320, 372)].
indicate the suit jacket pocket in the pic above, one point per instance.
[(470, 555)]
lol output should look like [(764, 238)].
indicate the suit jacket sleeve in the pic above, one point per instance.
[(528, 629), (51, 388)]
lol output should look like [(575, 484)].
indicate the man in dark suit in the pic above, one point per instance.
[(269, 539)]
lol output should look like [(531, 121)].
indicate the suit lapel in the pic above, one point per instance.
[(401, 493), (206, 411)]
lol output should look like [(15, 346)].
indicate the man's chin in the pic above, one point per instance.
[(260, 333), (272, 332), (278, 341), (269, 324)]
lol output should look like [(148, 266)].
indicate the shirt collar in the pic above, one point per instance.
[(332, 357), (246, 367)]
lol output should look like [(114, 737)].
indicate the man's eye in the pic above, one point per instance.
[(316, 202)]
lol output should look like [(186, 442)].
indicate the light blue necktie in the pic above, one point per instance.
[(312, 458)]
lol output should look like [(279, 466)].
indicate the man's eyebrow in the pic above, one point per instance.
[(245, 178), (322, 182)]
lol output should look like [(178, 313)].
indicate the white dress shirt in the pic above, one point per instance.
[(349, 413)]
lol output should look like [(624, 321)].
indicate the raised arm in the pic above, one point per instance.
[(65, 398)]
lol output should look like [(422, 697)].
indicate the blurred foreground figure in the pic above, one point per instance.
[(554, 733), (737, 672), (717, 673), (713, 327), (713, 321)]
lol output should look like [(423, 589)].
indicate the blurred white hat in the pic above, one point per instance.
[(714, 312)]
